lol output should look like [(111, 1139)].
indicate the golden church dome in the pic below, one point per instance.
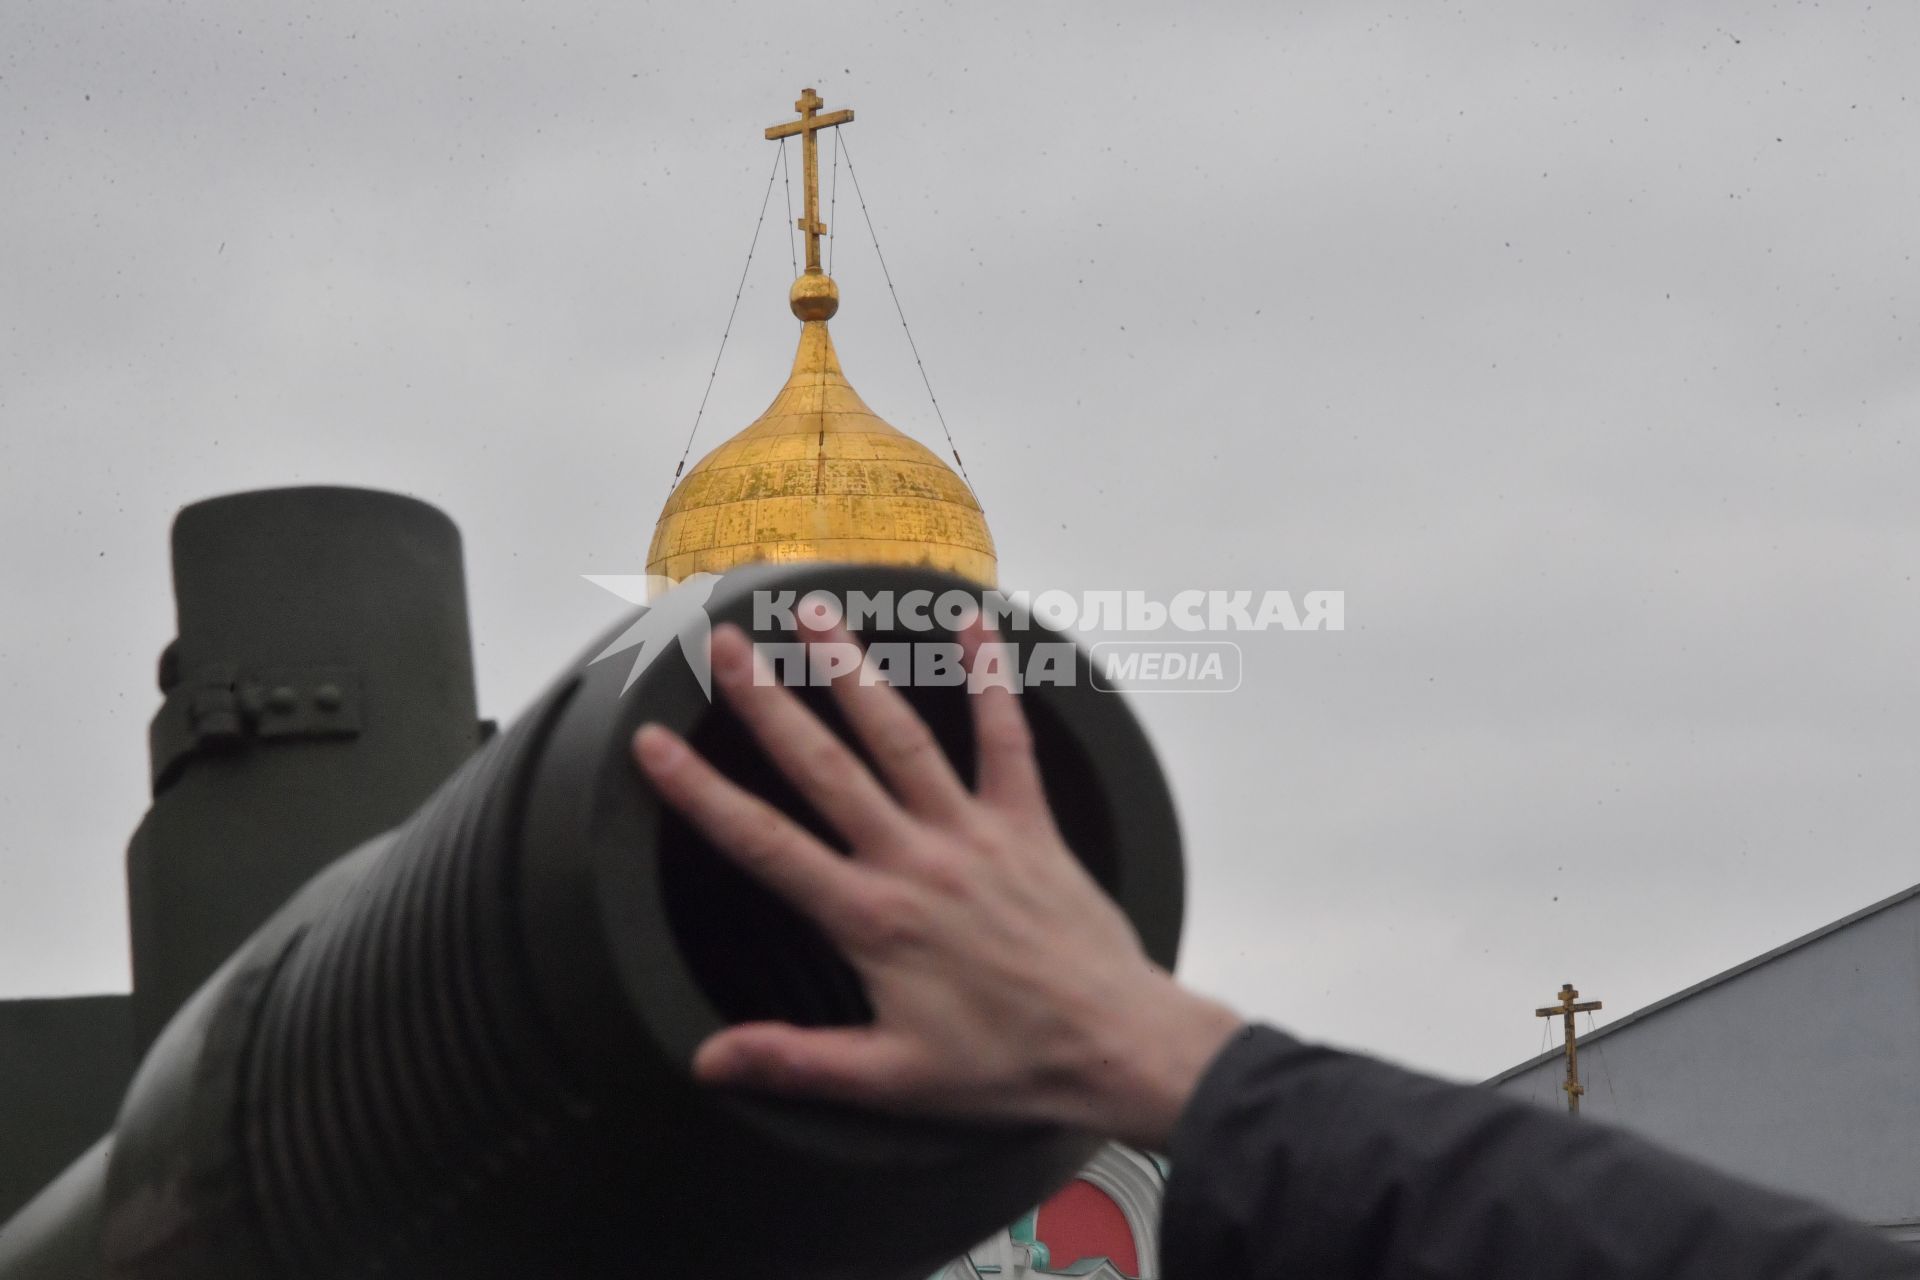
[(819, 475)]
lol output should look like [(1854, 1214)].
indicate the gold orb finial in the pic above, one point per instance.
[(814, 296)]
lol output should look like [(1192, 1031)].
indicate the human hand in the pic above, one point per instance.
[(1005, 984)]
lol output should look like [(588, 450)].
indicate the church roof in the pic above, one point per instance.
[(1718, 979)]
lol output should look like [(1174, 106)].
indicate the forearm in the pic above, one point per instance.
[(1294, 1160)]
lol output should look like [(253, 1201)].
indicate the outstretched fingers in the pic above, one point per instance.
[(830, 889), (814, 759), (1006, 769), (907, 754)]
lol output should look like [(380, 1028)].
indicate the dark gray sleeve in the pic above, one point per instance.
[(1302, 1162)]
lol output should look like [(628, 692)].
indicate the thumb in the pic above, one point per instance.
[(848, 1064)]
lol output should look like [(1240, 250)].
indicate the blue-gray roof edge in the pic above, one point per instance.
[(1600, 1033)]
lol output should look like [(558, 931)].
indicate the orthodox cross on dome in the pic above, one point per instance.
[(1566, 1009), (808, 126)]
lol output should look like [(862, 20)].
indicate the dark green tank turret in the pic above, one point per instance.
[(321, 686)]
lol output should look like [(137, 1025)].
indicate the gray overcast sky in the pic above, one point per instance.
[(1576, 343)]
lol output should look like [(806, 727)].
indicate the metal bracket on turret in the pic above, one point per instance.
[(221, 708)]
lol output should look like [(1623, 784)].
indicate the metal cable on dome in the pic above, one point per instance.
[(779, 164), (901, 312), (786, 180), (833, 201)]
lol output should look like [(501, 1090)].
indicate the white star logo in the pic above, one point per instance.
[(669, 611)]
